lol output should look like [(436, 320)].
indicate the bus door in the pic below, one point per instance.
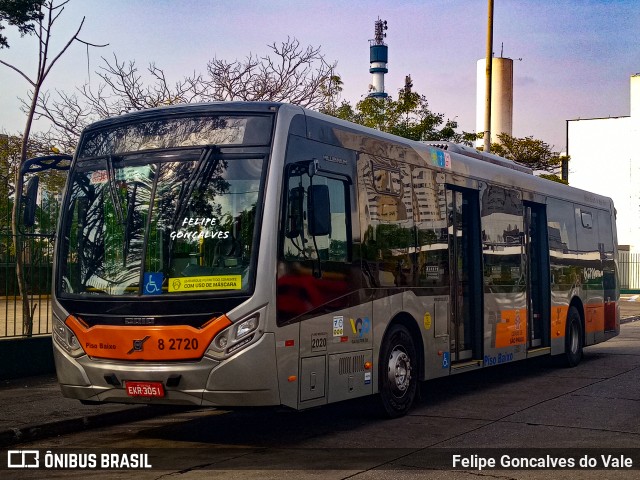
[(538, 276), (466, 275), (609, 276)]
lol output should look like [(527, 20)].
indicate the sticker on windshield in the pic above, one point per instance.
[(98, 177), (153, 283), (215, 282)]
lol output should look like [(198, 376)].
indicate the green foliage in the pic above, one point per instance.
[(19, 13), (534, 153), (553, 178), (408, 116)]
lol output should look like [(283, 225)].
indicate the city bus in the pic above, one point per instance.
[(254, 254)]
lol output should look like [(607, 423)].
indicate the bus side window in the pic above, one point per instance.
[(315, 262), (389, 238), (316, 219), (563, 246), (430, 215)]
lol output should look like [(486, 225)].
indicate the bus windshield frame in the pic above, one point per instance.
[(164, 222)]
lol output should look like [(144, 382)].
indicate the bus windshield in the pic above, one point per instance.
[(160, 223)]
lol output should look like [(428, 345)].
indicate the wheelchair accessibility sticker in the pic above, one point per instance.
[(445, 360), (153, 283)]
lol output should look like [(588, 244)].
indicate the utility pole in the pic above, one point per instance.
[(489, 65)]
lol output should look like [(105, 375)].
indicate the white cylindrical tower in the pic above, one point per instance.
[(378, 58), (501, 97)]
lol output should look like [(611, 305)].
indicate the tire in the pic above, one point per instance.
[(573, 339), (398, 372)]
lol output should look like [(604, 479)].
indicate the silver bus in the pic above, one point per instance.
[(245, 254)]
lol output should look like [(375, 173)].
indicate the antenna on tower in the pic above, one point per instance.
[(378, 58), (379, 35)]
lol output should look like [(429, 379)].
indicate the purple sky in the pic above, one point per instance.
[(577, 55)]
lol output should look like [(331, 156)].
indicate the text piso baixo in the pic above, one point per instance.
[(206, 232)]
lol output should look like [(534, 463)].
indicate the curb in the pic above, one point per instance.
[(629, 320), (15, 436)]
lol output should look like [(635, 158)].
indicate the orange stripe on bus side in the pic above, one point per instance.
[(558, 321), (173, 342), (594, 321), (512, 328)]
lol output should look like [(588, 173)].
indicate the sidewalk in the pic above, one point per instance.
[(33, 408)]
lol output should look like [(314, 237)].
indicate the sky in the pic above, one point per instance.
[(572, 58)]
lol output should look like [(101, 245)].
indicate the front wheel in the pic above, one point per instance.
[(573, 340), (398, 371)]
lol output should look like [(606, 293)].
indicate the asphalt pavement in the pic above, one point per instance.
[(34, 408)]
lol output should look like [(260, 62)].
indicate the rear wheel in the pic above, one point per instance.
[(398, 371), (573, 340)]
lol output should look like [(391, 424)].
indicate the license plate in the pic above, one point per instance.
[(144, 389)]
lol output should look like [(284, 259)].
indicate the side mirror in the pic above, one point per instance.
[(32, 169), (29, 201), (319, 210), (295, 219)]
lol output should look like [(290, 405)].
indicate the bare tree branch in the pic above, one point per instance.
[(290, 73), (38, 107), (12, 67)]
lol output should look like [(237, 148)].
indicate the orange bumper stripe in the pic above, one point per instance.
[(173, 342)]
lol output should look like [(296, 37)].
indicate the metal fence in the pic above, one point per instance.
[(37, 253), (629, 265)]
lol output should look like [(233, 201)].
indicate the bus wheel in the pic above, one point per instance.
[(398, 371), (573, 338)]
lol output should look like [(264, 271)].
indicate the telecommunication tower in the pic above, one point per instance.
[(378, 58)]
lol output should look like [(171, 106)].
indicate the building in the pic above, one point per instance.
[(605, 159)]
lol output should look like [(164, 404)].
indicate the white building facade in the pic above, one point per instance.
[(605, 159)]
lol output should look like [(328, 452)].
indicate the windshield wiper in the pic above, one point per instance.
[(113, 189), (128, 220)]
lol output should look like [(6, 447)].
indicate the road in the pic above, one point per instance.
[(534, 405)]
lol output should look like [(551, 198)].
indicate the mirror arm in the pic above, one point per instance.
[(47, 162)]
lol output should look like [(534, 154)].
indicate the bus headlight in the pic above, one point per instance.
[(246, 327), (64, 337), (234, 338)]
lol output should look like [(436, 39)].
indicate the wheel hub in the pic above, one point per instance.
[(574, 339), (399, 371)]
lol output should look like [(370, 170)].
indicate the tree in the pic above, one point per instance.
[(10, 153), (290, 73), (19, 13), (535, 154), (49, 12), (409, 116)]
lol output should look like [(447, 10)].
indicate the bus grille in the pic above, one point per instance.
[(351, 364)]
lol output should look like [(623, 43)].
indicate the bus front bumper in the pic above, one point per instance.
[(248, 378)]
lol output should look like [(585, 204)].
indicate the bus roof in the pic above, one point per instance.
[(465, 160)]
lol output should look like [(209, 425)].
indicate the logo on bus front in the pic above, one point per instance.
[(138, 345)]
